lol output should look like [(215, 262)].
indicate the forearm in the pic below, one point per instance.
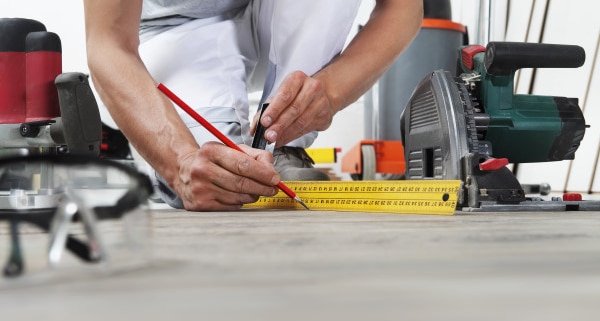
[(214, 177), (390, 29), (142, 113)]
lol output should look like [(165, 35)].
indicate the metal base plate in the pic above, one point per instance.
[(537, 206)]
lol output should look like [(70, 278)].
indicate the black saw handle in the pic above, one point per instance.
[(504, 58)]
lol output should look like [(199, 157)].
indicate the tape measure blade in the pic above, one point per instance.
[(400, 197)]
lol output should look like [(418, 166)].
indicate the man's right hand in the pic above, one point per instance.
[(219, 178), (211, 177)]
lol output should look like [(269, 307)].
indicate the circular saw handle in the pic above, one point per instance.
[(504, 58)]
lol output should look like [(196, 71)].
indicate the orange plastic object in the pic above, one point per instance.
[(443, 24), (389, 157)]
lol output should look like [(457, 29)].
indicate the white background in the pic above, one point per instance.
[(568, 22)]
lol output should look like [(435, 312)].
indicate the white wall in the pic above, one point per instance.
[(64, 17)]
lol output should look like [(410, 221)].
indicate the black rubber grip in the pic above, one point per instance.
[(259, 140), (79, 112), (504, 58), (42, 41), (437, 9), (13, 32)]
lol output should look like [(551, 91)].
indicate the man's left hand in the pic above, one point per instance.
[(299, 106)]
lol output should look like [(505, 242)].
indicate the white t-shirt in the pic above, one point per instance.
[(173, 12)]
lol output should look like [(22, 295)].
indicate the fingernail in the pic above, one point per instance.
[(266, 121), (271, 136)]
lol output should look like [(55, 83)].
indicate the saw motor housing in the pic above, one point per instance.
[(525, 128), (469, 126)]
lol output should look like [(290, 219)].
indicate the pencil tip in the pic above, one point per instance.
[(301, 202)]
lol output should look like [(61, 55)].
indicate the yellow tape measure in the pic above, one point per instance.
[(323, 155), (398, 196)]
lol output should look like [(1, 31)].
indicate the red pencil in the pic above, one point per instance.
[(224, 139)]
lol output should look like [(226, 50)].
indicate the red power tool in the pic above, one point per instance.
[(41, 108)]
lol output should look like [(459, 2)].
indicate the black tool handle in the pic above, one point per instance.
[(13, 32), (82, 127), (259, 140), (504, 58), (437, 9)]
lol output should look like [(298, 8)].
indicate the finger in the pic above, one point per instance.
[(258, 154), (211, 187), (227, 199), (317, 116), (242, 173), (240, 190), (283, 97), (217, 200), (254, 123), (301, 114)]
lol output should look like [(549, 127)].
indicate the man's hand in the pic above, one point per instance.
[(303, 104), (299, 106), (218, 178)]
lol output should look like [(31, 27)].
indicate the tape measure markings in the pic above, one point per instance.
[(402, 197)]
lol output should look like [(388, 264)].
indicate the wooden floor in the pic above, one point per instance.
[(300, 265)]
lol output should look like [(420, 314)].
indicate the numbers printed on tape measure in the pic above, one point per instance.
[(402, 197), (378, 189)]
